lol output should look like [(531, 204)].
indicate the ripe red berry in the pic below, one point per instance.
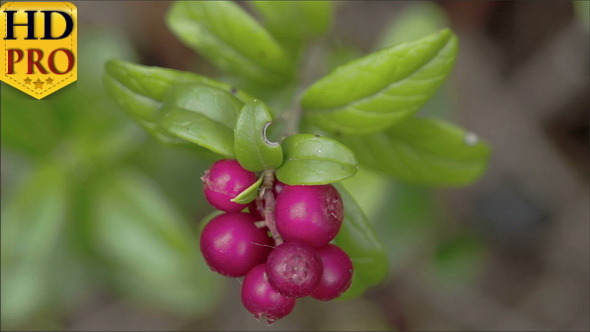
[(278, 187), (261, 299), (225, 180), (294, 269), (231, 244), (337, 273), (311, 214)]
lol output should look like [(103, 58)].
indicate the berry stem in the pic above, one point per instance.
[(268, 198)]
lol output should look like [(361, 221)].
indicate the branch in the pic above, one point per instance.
[(267, 199)]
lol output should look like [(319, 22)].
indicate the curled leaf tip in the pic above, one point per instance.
[(265, 138)]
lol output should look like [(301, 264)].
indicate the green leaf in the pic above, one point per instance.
[(424, 151), (294, 22), (140, 89), (32, 227), (253, 150), (231, 39), (311, 159), (201, 114), (249, 194), (416, 20), (360, 242), (374, 92), (154, 256)]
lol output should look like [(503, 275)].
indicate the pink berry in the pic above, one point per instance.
[(311, 214), (232, 244), (225, 180), (260, 298), (294, 269), (278, 187), (337, 273)]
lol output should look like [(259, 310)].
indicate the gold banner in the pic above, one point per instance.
[(39, 46)]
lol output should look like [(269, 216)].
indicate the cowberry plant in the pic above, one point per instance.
[(286, 129)]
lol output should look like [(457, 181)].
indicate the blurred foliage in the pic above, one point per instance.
[(415, 21), (83, 216), (283, 19), (360, 242), (458, 259), (31, 229), (92, 203), (152, 249)]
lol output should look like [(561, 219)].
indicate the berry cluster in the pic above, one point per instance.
[(281, 247)]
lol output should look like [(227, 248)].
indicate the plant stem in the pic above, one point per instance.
[(311, 69), (293, 117), (267, 198)]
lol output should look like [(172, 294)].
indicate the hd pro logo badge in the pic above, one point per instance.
[(39, 46)]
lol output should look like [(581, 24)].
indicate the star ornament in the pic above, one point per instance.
[(38, 84), (28, 80), (49, 81)]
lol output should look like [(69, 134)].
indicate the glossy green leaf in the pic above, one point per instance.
[(253, 149), (424, 151), (32, 229), (154, 256), (416, 20), (311, 159), (231, 39), (360, 242), (249, 194), (374, 92), (201, 114), (294, 22), (140, 90)]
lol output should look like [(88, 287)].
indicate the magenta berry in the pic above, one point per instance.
[(232, 244), (225, 180), (337, 273), (261, 299), (300, 222), (311, 214), (294, 269), (277, 188)]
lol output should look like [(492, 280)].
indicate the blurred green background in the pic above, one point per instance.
[(99, 220)]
